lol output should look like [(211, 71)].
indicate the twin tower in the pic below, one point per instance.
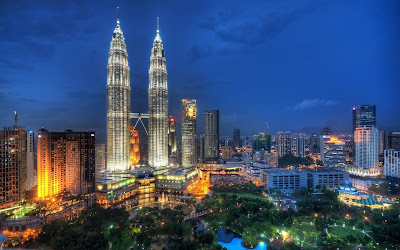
[(119, 104)]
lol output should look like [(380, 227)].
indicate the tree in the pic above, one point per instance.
[(290, 246), (249, 236)]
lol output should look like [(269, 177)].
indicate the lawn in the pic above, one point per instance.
[(343, 232), (248, 195)]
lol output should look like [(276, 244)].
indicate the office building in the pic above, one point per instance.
[(158, 105), (12, 165), (364, 115), (366, 147), (328, 177), (325, 136), (262, 142), (189, 116), (285, 181), (100, 157), (30, 161), (392, 164), (211, 137), (237, 142), (335, 153), (300, 145), (118, 103), (66, 162), (283, 143), (314, 144), (201, 148)]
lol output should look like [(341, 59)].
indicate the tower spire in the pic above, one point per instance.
[(158, 25), (118, 15)]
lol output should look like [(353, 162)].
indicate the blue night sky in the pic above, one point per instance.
[(300, 65)]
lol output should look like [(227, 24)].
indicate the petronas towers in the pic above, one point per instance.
[(158, 106), (119, 102)]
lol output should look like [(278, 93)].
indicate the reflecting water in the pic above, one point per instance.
[(236, 244)]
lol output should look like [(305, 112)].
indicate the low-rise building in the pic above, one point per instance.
[(328, 177), (176, 180), (284, 180)]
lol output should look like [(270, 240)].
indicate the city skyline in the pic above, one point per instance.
[(210, 59)]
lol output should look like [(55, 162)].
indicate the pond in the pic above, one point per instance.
[(236, 244), (225, 235)]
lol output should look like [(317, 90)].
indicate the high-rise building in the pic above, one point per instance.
[(392, 163), (300, 145), (237, 142), (201, 148), (118, 103), (211, 137), (158, 105), (325, 136), (189, 116), (66, 162), (366, 147), (314, 144), (395, 140), (364, 115), (172, 146), (263, 142), (283, 143), (134, 155), (30, 161), (100, 155), (12, 165), (335, 153)]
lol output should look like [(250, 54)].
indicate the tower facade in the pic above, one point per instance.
[(118, 104), (158, 105), (211, 137), (189, 116)]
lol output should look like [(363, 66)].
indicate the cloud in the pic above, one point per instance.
[(197, 52), (310, 103), (255, 29)]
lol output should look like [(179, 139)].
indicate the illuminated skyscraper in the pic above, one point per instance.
[(118, 103), (134, 142), (158, 105), (211, 137), (283, 143), (65, 162), (364, 115), (189, 115), (366, 147), (12, 165), (335, 154)]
